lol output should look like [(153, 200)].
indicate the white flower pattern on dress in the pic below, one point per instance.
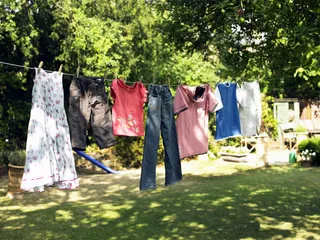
[(49, 157)]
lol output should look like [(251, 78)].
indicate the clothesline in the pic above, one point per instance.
[(70, 74), (32, 68)]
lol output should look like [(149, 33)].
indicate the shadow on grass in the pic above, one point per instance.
[(269, 203)]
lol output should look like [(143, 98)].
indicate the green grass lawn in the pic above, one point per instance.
[(213, 201)]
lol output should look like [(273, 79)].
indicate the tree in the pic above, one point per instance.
[(277, 41), (117, 37)]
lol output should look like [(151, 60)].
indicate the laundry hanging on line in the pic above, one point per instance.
[(127, 111), (215, 91), (49, 157)]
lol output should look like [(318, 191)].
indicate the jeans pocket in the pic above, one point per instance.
[(167, 96)]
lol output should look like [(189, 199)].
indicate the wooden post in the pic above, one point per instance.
[(262, 150)]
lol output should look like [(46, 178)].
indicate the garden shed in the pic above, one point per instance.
[(293, 112)]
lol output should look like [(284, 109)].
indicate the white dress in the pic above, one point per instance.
[(49, 157)]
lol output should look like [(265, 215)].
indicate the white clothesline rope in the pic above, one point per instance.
[(68, 74), (32, 68)]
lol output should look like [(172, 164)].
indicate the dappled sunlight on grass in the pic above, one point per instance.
[(235, 203), (169, 218), (63, 215), (154, 205), (260, 192), (196, 225), (221, 201)]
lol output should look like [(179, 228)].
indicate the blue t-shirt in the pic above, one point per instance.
[(228, 120)]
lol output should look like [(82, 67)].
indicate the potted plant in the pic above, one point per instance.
[(15, 172), (307, 157), (309, 152), (301, 133), (237, 154)]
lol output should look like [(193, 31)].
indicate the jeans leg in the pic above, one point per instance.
[(170, 142), (151, 145)]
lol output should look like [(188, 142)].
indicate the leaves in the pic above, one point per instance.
[(264, 36)]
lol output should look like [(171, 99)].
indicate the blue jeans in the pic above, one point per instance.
[(160, 117)]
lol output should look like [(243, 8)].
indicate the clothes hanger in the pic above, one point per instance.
[(60, 69), (40, 66)]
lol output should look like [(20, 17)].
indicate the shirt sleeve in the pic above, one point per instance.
[(113, 89), (180, 103), (219, 104), (212, 100), (144, 93)]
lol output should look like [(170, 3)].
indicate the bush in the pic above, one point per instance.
[(313, 145), (129, 151), (233, 141), (214, 146), (17, 157), (269, 123), (300, 128)]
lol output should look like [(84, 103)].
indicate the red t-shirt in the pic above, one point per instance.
[(127, 111)]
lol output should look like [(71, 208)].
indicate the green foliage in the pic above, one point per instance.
[(213, 146), (17, 157), (235, 150), (275, 42), (234, 141), (129, 152), (118, 38), (313, 145), (269, 123), (300, 128)]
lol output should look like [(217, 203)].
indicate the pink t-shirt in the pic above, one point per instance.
[(127, 111), (192, 104)]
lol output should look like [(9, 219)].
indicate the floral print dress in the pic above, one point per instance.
[(49, 157)]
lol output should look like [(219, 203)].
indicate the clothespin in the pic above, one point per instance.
[(40, 66), (78, 68), (78, 71), (140, 80), (60, 69)]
